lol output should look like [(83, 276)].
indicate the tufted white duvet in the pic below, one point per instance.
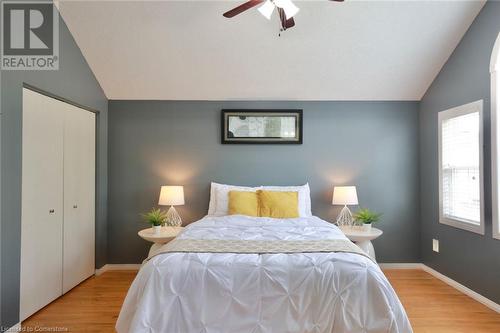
[(238, 293)]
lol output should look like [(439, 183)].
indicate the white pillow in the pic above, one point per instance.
[(212, 204), (219, 197), (304, 196)]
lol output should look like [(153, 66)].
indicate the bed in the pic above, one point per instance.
[(216, 290)]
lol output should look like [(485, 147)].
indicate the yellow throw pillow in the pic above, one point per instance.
[(243, 203), (280, 205)]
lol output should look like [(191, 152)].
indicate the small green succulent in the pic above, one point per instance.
[(155, 217), (366, 216)]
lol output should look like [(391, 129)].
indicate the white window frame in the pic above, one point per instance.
[(495, 137), (448, 114)]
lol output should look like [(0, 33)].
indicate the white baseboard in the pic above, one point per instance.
[(135, 267), (117, 267), (14, 329), (409, 265), (460, 287)]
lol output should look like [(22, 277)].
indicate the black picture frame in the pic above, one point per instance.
[(227, 138)]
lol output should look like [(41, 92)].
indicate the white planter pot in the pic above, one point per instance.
[(366, 227), (156, 229)]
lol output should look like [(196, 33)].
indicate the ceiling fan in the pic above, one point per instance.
[(286, 10)]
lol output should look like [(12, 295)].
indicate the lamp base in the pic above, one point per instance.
[(345, 217), (173, 219)]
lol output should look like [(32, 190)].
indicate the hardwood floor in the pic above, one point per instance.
[(433, 306), (93, 306)]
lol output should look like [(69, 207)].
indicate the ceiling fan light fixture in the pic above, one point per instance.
[(267, 9), (288, 7)]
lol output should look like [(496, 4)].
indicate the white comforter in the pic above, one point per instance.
[(238, 293)]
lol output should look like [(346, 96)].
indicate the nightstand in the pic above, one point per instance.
[(159, 239), (363, 238)]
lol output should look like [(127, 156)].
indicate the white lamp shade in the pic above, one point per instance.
[(266, 9), (345, 195), (171, 196)]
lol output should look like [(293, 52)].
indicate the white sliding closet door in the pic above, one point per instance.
[(42, 202), (79, 196), (58, 199)]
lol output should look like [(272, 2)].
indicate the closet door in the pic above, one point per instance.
[(42, 202), (79, 196)]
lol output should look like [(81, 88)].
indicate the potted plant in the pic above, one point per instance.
[(156, 217), (366, 217)]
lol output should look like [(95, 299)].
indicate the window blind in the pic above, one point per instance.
[(461, 186)]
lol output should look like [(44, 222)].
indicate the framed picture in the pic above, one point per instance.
[(261, 126)]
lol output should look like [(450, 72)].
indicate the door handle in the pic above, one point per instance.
[(52, 211), (75, 206)]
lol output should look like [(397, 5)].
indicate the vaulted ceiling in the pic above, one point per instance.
[(186, 50)]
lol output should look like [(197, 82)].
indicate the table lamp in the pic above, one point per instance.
[(345, 195), (172, 196)]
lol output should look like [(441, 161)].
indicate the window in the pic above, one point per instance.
[(495, 137), (461, 167)]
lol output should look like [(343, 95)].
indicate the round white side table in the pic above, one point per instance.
[(363, 238), (159, 239)]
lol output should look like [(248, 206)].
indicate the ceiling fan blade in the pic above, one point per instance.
[(241, 8), (289, 23), (285, 24), (282, 16)]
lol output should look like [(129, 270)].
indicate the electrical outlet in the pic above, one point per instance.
[(435, 245)]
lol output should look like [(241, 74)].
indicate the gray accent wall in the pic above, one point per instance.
[(76, 82), (471, 259), (373, 145)]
